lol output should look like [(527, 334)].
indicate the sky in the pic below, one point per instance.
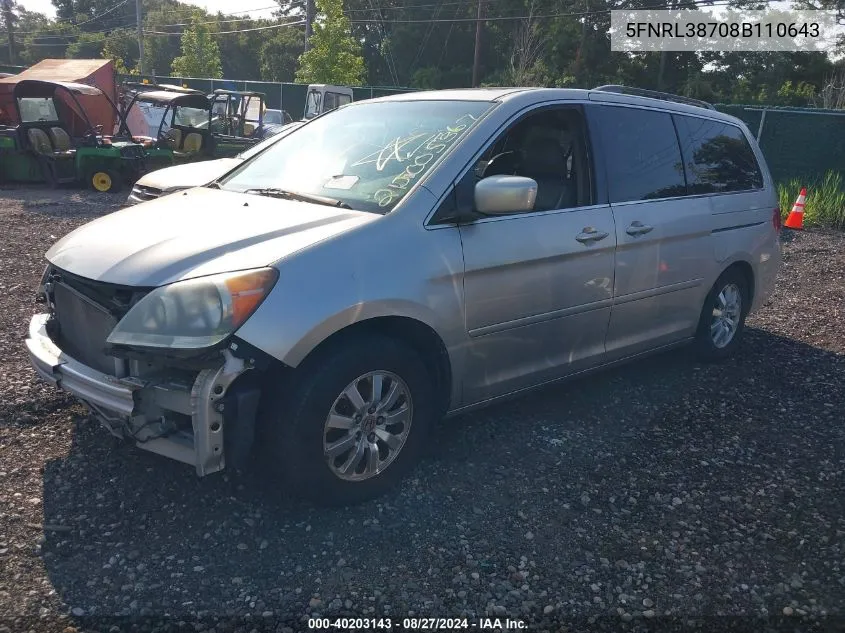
[(212, 6)]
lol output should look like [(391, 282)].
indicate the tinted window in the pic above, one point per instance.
[(642, 154), (717, 156)]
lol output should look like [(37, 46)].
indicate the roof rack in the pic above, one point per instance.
[(654, 94)]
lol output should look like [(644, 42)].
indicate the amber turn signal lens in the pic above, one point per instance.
[(247, 291)]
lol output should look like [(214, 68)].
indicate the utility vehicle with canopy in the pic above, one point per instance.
[(173, 123), (239, 116), (180, 125), (41, 146)]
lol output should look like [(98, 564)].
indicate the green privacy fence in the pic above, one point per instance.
[(798, 143), (14, 70), (280, 96)]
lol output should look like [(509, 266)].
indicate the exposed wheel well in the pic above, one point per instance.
[(744, 268), (417, 335)]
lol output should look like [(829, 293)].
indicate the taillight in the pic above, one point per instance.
[(776, 219)]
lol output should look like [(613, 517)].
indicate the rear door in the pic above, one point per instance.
[(664, 249)]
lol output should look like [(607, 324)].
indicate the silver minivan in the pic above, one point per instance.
[(401, 259)]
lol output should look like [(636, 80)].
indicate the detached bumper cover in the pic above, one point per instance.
[(82, 381), (129, 407)]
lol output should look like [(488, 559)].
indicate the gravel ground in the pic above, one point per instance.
[(662, 494)]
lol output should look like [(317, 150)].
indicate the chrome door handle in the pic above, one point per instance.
[(589, 234), (638, 228)]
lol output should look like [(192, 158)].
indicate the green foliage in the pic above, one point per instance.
[(800, 94), (278, 55), (122, 48), (160, 51), (334, 56), (825, 203), (200, 52), (87, 46)]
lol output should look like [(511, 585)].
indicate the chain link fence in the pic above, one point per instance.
[(798, 143)]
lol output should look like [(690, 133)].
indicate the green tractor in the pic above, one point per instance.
[(40, 148)]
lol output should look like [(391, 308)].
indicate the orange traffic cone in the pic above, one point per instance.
[(795, 220)]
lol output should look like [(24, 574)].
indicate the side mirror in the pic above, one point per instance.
[(503, 195)]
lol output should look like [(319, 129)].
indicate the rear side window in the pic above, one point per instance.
[(642, 154), (717, 156)]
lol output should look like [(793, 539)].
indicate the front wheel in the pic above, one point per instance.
[(722, 320), (353, 422)]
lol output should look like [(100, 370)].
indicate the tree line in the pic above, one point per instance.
[(418, 44)]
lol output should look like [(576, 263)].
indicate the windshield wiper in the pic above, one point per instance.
[(302, 197)]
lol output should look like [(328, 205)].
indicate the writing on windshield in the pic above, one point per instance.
[(367, 155), (416, 152)]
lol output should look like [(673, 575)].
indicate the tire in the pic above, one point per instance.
[(718, 343), (294, 429), (105, 181)]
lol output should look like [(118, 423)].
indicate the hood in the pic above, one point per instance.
[(194, 233), (188, 175)]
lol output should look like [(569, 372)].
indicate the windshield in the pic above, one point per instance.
[(37, 109), (190, 117), (273, 117), (367, 156)]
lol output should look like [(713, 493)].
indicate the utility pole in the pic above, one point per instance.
[(9, 18), (309, 20), (476, 62), (139, 21)]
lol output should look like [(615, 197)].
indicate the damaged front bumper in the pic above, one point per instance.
[(181, 416)]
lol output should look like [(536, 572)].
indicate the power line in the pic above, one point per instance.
[(97, 17), (259, 28)]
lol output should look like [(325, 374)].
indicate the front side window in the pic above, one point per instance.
[(641, 152), (37, 109), (550, 148), (717, 156), (367, 156)]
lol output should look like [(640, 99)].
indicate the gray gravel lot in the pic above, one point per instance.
[(664, 492)]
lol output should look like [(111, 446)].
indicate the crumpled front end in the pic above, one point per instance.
[(178, 408)]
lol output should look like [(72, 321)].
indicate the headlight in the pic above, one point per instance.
[(194, 313)]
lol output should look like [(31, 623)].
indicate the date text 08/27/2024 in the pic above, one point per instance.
[(415, 624)]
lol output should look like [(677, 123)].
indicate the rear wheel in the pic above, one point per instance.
[(354, 421), (722, 321), (105, 181)]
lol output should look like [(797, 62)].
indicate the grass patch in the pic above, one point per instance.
[(825, 204)]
